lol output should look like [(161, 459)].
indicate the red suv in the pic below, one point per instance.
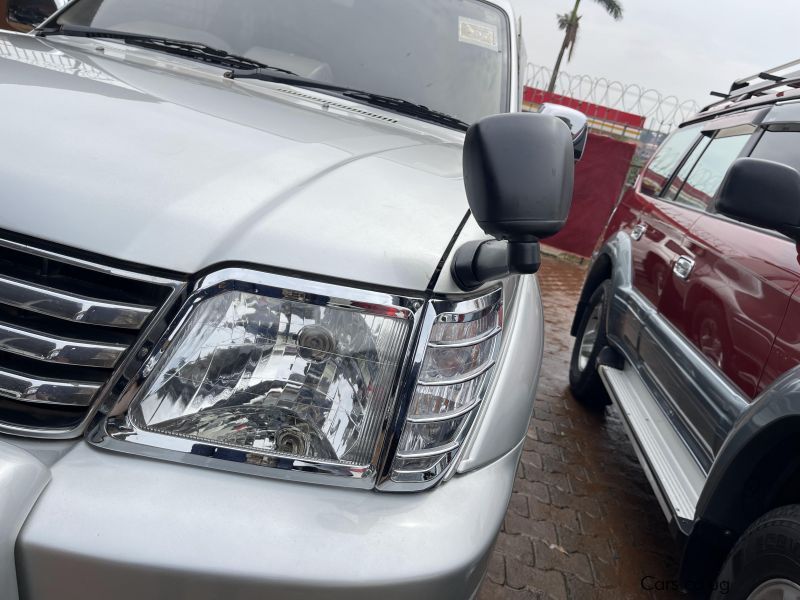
[(689, 321)]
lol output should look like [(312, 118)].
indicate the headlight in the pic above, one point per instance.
[(305, 378), (284, 377)]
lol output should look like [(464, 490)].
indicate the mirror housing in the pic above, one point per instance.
[(519, 170), (577, 122), (762, 193)]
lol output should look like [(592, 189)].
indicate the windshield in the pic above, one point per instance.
[(449, 55)]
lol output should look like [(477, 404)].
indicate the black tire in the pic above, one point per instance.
[(768, 551), (584, 380)]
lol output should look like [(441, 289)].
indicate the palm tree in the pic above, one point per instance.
[(568, 23)]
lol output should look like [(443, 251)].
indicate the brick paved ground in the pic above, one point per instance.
[(583, 522)]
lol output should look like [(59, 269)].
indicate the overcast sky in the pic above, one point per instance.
[(679, 47)]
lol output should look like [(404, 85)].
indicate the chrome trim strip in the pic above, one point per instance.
[(71, 307), (24, 388), (48, 348), (429, 451), (446, 416), (467, 343), (98, 268), (466, 378)]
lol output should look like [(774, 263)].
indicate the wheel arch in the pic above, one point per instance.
[(613, 261), (756, 470)]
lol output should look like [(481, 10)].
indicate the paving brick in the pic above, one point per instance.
[(517, 546), (540, 530), (556, 558), (535, 490), (496, 571), (519, 503), (521, 576)]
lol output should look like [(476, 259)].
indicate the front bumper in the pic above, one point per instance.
[(116, 526)]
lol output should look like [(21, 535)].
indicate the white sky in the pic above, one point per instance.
[(679, 47)]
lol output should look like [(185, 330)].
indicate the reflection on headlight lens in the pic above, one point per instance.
[(276, 376)]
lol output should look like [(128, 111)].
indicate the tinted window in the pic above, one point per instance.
[(703, 182), (779, 146), (677, 181), (666, 159)]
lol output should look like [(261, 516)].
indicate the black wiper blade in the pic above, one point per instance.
[(194, 50), (400, 105)]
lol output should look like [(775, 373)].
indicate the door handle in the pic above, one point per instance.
[(683, 267), (638, 232)]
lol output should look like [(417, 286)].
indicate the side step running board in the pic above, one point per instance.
[(673, 472)]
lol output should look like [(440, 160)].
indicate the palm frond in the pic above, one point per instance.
[(613, 7)]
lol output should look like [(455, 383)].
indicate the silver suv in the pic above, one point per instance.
[(254, 339)]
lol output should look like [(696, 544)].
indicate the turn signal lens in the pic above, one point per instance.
[(463, 346)]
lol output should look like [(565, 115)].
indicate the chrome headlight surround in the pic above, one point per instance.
[(119, 431)]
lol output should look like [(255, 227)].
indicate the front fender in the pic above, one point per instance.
[(613, 261)]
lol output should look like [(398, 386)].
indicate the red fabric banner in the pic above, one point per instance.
[(599, 177)]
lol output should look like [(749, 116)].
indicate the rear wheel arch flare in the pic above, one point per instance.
[(758, 471), (740, 489)]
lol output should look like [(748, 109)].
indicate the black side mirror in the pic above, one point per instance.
[(762, 193), (518, 174)]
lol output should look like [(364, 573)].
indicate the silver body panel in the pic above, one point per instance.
[(22, 479), (115, 526), (225, 171)]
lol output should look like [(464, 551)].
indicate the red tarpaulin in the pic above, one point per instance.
[(599, 178)]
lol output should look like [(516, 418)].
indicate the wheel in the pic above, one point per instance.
[(584, 380), (765, 562)]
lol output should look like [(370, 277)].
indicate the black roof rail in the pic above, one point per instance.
[(760, 84)]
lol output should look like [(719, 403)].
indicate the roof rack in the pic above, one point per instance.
[(761, 83)]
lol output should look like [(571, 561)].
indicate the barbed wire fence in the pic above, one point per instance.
[(662, 113)]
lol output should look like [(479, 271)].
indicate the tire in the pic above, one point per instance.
[(767, 554), (590, 339)]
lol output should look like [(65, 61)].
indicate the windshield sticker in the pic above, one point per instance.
[(477, 33)]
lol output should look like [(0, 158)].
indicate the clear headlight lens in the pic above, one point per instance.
[(463, 345), (277, 377)]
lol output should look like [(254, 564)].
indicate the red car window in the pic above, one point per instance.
[(666, 159)]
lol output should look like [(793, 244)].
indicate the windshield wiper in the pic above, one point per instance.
[(399, 105), (194, 50)]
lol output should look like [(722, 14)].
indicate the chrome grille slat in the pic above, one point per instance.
[(51, 348), (71, 307), (24, 388)]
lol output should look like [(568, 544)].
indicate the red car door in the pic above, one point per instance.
[(730, 294), (784, 147), (656, 227)]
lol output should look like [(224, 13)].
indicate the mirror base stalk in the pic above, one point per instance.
[(477, 262)]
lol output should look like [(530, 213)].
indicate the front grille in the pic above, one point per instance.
[(65, 326)]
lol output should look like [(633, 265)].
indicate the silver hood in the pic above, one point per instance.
[(159, 161)]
